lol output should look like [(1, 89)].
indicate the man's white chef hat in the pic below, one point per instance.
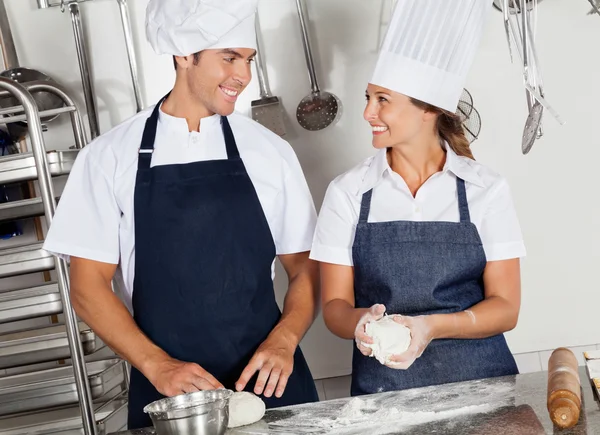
[(429, 48), (184, 27)]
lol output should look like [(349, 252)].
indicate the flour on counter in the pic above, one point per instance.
[(359, 414), (387, 413)]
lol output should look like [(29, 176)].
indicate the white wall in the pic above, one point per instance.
[(554, 187)]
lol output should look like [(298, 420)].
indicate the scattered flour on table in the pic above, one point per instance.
[(358, 413), (384, 414)]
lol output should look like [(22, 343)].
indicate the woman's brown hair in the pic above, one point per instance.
[(449, 127)]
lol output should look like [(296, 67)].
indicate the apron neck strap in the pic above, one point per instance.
[(365, 207), (463, 205), (230, 145), (147, 146)]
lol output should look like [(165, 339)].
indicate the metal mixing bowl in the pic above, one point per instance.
[(199, 413)]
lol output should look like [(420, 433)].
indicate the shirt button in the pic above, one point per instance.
[(417, 210)]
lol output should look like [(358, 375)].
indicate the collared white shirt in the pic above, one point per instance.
[(488, 194), (95, 215)]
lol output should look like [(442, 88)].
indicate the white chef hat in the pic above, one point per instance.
[(184, 27), (429, 48)]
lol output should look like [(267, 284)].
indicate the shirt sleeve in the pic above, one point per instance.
[(295, 222), (336, 227), (86, 222), (500, 230)]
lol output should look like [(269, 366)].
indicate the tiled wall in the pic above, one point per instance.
[(336, 388)]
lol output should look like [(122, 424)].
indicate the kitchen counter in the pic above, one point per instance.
[(497, 406)]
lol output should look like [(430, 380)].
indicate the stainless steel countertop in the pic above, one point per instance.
[(496, 406)]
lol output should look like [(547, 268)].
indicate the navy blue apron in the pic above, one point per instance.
[(203, 290), (420, 268)]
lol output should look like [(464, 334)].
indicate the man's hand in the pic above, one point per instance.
[(274, 360), (172, 377)]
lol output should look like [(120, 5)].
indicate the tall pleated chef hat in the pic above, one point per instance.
[(184, 27), (429, 48)]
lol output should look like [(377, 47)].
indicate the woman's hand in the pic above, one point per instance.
[(374, 313), (421, 334)]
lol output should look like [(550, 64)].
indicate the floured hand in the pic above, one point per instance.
[(361, 338), (421, 333), (389, 338)]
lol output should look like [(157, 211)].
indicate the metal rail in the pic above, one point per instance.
[(48, 198)]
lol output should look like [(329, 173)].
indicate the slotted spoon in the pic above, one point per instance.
[(319, 109)]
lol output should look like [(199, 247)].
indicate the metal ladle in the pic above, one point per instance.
[(319, 109)]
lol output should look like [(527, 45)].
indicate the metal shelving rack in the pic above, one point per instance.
[(84, 396), (57, 377)]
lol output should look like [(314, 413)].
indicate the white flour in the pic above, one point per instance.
[(358, 414), (390, 412)]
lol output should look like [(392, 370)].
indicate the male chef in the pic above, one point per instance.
[(186, 206)]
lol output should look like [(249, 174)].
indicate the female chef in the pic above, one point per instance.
[(421, 230)]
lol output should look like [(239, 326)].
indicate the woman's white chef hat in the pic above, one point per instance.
[(429, 48)]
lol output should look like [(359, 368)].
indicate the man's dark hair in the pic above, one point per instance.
[(196, 59)]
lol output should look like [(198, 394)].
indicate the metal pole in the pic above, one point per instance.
[(84, 67), (48, 198), (131, 53), (9, 52)]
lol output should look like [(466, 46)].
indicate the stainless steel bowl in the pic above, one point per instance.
[(200, 413)]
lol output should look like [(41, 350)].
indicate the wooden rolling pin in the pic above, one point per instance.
[(564, 388)]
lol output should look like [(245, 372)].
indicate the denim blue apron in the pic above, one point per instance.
[(203, 290), (420, 268)]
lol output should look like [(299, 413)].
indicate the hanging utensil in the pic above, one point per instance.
[(84, 67), (536, 77), (514, 6), (532, 126), (266, 110), (319, 109), (472, 126), (526, 44), (83, 58), (505, 12), (595, 8), (128, 34), (522, 34), (9, 51), (465, 105), (516, 36), (469, 116)]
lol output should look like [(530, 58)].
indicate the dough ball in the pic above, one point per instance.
[(389, 338), (245, 408)]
